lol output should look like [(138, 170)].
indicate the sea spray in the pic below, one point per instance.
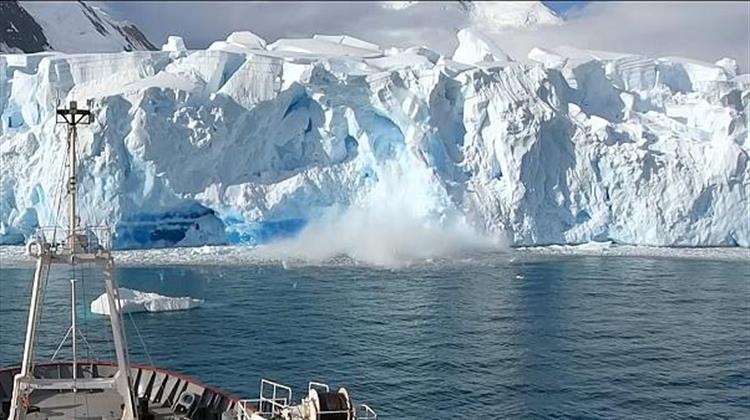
[(406, 216)]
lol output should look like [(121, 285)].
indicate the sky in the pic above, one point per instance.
[(562, 7), (706, 30)]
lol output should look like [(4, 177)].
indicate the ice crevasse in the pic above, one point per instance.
[(246, 142)]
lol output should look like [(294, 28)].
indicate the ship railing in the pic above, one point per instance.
[(89, 239), (317, 385), (264, 407), (246, 409), (275, 400), (364, 412), (274, 397)]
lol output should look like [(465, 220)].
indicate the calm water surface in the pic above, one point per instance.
[(483, 338)]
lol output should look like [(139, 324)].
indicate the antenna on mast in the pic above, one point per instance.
[(73, 117)]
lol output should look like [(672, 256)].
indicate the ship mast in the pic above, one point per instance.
[(90, 245), (72, 117)]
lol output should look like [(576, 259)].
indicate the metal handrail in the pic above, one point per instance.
[(364, 412), (242, 410), (89, 238), (311, 385), (247, 407), (280, 399), (278, 404)]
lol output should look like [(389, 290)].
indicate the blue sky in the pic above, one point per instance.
[(561, 7)]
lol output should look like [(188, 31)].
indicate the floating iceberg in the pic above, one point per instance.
[(248, 142), (137, 301)]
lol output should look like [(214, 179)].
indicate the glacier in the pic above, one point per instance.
[(336, 138)]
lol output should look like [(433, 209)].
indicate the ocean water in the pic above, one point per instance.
[(484, 337)]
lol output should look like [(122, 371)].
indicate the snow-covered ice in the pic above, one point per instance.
[(249, 143), (137, 301), (474, 48), (174, 43)]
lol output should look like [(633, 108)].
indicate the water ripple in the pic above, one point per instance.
[(479, 338)]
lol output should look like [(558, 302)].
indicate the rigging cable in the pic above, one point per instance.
[(140, 337), (58, 209), (89, 349), (58, 198)]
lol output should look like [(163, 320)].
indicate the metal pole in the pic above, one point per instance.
[(73, 222), (73, 329), (122, 377), (33, 321), (20, 381)]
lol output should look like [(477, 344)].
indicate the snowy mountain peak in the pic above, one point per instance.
[(491, 15), (65, 26)]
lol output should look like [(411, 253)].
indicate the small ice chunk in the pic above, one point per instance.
[(597, 123), (330, 46), (247, 39), (729, 65), (348, 41), (137, 301), (405, 59), (742, 79), (699, 72), (474, 47), (228, 47), (174, 43), (547, 58)]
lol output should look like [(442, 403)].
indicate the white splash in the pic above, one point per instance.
[(392, 226)]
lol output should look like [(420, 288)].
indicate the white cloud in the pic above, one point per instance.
[(701, 30)]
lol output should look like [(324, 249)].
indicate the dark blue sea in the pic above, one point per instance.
[(478, 338)]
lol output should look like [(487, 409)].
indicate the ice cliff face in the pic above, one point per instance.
[(247, 142)]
